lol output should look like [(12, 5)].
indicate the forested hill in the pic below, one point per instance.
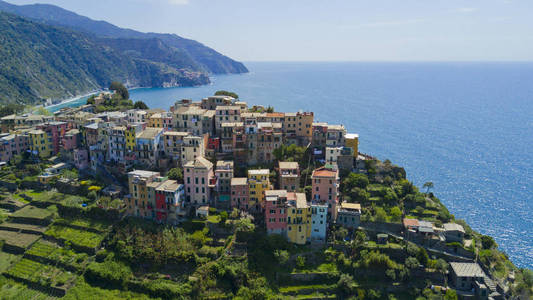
[(39, 61), (193, 54)]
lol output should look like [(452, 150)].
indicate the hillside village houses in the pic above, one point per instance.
[(229, 160), (219, 143), (210, 140)]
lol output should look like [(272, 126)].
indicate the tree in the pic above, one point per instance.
[(226, 93), (411, 262), (120, 89), (282, 256), (43, 111), (300, 262), (92, 195), (391, 274), (223, 217), (381, 215), (10, 109), (345, 285), (359, 239), (422, 256), (396, 214), (355, 180), (140, 105), (244, 225), (175, 174), (442, 266), (428, 185), (269, 109), (340, 233), (235, 213), (487, 242), (90, 100), (358, 195), (450, 295)]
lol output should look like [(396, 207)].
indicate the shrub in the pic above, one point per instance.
[(345, 285)]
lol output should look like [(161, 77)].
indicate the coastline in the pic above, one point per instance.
[(77, 97)]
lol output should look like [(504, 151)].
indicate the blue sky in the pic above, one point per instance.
[(332, 30)]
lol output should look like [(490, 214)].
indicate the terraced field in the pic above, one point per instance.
[(17, 239), (35, 268), (75, 236)]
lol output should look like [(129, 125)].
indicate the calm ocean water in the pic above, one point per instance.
[(468, 127)]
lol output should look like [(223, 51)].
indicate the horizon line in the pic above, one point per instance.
[(388, 61)]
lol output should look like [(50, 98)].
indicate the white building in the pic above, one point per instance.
[(193, 147), (136, 116), (319, 215)]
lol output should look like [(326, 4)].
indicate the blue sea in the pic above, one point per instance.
[(467, 127)]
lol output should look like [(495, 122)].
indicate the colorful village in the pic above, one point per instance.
[(288, 173)]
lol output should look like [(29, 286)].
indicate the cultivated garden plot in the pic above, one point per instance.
[(32, 214), (18, 240), (41, 274), (25, 228), (11, 289), (77, 237), (85, 223), (55, 254)]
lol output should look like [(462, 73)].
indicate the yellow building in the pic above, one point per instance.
[(160, 120), (298, 127), (130, 138), (40, 143), (155, 121), (140, 201), (298, 219), (352, 141), (258, 182)]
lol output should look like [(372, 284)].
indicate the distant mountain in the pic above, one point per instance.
[(39, 61), (177, 49)]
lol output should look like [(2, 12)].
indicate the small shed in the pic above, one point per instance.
[(454, 232), (202, 211), (382, 238)]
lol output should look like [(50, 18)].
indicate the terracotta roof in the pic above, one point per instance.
[(410, 222), (324, 172), (275, 115)]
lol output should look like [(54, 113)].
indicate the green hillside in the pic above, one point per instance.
[(39, 61)]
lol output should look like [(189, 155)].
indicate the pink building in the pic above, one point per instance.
[(239, 193), (81, 158), (325, 182), (198, 175), (56, 131), (11, 145), (71, 140), (276, 211)]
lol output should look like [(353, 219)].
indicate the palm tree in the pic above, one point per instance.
[(428, 185)]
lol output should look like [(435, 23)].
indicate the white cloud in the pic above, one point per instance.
[(466, 10), (178, 2)]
